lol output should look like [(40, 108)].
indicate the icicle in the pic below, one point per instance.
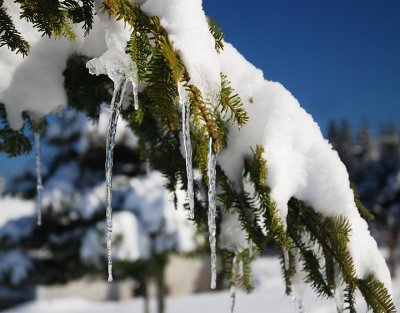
[(298, 305), (298, 286), (39, 185), (232, 288), (119, 90), (212, 211), (185, 108), (250, 248), (135, 94), (120, 68), (232, 291), (339, 291), (339, 298), (286, 258)]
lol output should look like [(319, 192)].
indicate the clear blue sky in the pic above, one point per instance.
[(339, 58)]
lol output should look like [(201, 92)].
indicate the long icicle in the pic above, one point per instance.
[(39, 185), (212, 211), (185, 108), (298, 305), (135, 94), (119, 90), (232, 289), (339, 291), (297, 284)]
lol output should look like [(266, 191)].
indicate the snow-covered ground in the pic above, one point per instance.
[(268, 297)]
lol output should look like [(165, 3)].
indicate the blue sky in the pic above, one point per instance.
[(339, 58)]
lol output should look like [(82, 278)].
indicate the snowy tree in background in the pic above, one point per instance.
[(70, 244), (267, 172)]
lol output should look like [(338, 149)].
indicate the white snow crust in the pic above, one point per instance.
[(187, 28), (300, 161)]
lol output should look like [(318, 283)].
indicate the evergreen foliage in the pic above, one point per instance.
[(9, 35), (12, 142), (318, 242)]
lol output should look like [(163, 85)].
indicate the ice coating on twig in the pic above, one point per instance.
[(39, 185), (185, 108), (116, 64), (212, 211)]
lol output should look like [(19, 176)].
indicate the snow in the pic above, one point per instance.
[(300, 161), (24, 79), (148, 210), (187, 28), (268, 296), (14, 208), (15, 230), (133, 245), (232, 236), (14, 265)]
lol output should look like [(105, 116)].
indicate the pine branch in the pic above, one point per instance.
[(376, 295), (173, 61), (218, 35), (244, 206), (9, 35), (232, 104), (121, 10), (237, 268), (162, 91), (81, 12), (12, 142), (288, 269), (349, 298), (257, 168), (140, 51), (332, 233), (364, 212)]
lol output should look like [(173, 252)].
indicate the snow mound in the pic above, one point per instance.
[(301, 163)]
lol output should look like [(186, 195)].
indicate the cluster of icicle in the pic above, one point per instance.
[(212, 163)]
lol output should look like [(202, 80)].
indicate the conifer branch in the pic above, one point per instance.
[(232, 104), (12, 142), (238, 277), (362, 209), (217, 34), (9, 35), (257, 168)]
